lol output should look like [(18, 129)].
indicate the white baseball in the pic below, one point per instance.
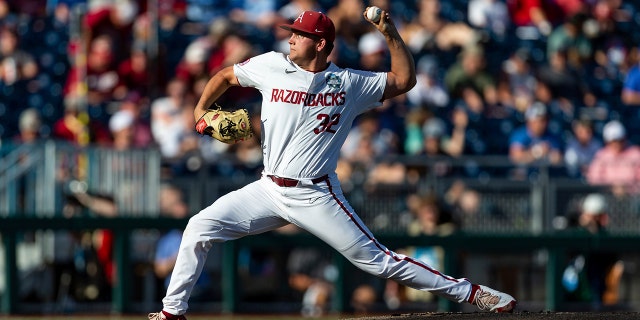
[(373, 14)]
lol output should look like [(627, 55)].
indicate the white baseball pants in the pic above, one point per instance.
[(320, 209)]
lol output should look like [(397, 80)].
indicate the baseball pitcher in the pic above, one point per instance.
[(308, 107)]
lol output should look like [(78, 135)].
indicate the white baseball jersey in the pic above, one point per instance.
[(306, 116)]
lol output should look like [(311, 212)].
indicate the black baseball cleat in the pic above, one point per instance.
[(488, 299)]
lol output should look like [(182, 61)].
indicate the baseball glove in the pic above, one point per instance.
[(226, 126)]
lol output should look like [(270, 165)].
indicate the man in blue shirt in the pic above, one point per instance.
[(533, 142), (631, 88)]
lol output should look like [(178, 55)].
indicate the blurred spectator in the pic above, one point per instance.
[(472, 209), (559, 82), (434, 131), (611, 63), (489, 15), (436, 146), (142, 30), (8, 17), (480, 108), (350, 26), (256, 16), (76, 126), (470, 72), (517, 82), (292, 9), (168, 119), (82, 201), (463, 201), (15, 64), (373, 52), (363, 299), (175, 32), (234, 49), (219, 30), (137, 106), (172, 205), (364, 147), (30, 123), (569, 37), (113, 20), (431, 216), (617, 163), (631, 88), (580, 148), (594, 275), (101, 78), (248, 153), (414, 120), (431, 219), (611, 39), (539, 14), (133, 74), (615, 49), (594, 214), (92, 271), (230, 49), (430, 32), (367, 141), (533, 142), (570, 8), (609, 16), (204, 11), (387, 172), (223, 46), (312, 274), (194, 62), (121, 126), (429, 90), (465, 133)]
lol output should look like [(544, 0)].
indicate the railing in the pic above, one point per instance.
[(557, 244), (42, 179), (39, 178), (516, 213)]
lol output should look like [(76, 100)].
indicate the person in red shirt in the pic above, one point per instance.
[(541, 14), (133, 74), (76, 127)]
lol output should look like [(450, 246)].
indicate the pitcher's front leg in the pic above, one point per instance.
[(242, 212)]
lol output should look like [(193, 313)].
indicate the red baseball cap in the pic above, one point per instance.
[(315, 23)]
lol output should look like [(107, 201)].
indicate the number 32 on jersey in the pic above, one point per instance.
[(326, 122)]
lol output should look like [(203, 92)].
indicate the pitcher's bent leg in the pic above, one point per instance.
[(333, 220), (374, 258)]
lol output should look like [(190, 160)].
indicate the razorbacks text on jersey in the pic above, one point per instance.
[(308, 114)]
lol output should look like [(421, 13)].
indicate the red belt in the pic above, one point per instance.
[(286, 182)]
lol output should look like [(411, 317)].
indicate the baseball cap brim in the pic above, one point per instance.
[(291, 28)]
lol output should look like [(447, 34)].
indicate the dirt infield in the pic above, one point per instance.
[(524, 315), (511, 316)]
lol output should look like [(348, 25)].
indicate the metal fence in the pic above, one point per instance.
[(494, 195), (506, 212), (40, 179)]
